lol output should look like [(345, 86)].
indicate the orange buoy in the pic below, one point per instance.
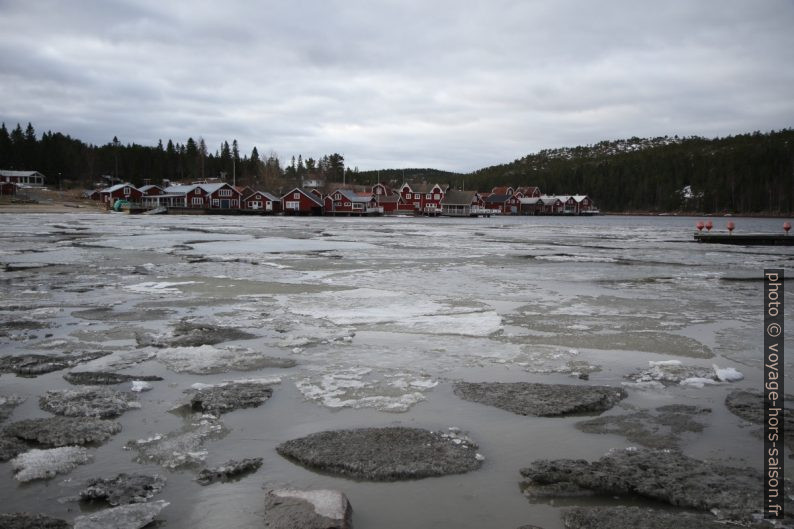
[(731, 226), (787, 226), (709, 225), (699, 225)]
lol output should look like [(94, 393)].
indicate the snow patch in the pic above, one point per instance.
[(46, 464), (727, 374), (361, 388), (162, 287), (140, 385)]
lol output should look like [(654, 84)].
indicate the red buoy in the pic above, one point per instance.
[(731, 226), (709, 225), (699, 225), (787, 226)]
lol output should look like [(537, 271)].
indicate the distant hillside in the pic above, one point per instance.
[(749, 173)]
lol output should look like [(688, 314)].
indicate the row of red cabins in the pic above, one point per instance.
[(424, 199)]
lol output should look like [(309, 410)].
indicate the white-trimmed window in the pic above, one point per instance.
[(347, 204), (215, 202), (408, 196), (296, 196), (197, 201), (225, 192), (197, 191), (358, 205), (427, 196), (417, 205), (293, 204), (126, 191), (437, 197)]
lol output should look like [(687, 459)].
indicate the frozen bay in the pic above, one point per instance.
[(380, 317)]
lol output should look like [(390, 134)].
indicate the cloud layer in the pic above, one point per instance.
[(451, 85)]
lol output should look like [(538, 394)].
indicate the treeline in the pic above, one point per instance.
[(68, 162), (748, 173)]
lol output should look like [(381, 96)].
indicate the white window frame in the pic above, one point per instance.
[(198, 201), (293, 204), (296, 196), (127, 191)]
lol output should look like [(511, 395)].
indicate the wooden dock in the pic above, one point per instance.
[(749, 239)]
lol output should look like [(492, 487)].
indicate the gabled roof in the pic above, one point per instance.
[(117, 187), (264, 194), (388, 189), (501, 190), (498, 199), (211, 188), (546, 199), (455, 197), (5, 172), (529, 190), (579, 198), (422, 187), (311, 196), (529, 200), (352, 196), (145, 189), (180, 189)]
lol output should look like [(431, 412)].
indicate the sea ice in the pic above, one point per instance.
[(46, 464), (208, 359), (361, 388), (90, 401), (728, 374), (158, 287), (181, 448), (140, 385), (133, 516)]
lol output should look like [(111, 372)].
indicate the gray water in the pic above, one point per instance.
[(382, 316)]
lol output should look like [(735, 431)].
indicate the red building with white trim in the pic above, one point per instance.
[(301, 202)]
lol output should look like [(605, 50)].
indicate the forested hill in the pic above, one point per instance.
[(748, 173)]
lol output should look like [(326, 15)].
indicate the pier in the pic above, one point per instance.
[(754, 239)]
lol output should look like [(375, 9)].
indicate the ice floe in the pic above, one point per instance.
[(672, 372), (99, 402), (208, 359), (180, 448), (158, 287), (364, 388), (133, 516), (46, 464)]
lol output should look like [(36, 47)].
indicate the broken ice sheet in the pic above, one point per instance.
[(208, 359), (552, 359), (392, 391), (180, 448), (46, 464), (671, 372)]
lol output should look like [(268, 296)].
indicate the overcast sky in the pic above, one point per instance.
[(447, 84)]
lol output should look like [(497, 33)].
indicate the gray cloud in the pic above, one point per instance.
[(397, 83)]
